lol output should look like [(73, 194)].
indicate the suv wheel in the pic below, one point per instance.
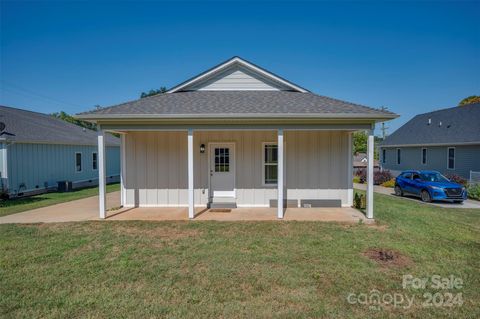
[(398, 190), (426, 196)]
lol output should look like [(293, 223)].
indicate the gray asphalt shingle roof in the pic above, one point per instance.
[(33, 127), (459, 124), (238, 103)]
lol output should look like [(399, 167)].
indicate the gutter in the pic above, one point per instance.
[(240, 116)]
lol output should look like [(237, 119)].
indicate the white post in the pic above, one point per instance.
[(350, 171), (5, 163), (280, 174), (370, 159), (123, 171), (101, 173), (191, 203)]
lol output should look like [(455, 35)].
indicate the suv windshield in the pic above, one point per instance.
[(433, 177)]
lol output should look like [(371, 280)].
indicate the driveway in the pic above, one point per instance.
[(389, 191)]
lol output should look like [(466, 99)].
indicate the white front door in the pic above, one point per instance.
[(222, 170)]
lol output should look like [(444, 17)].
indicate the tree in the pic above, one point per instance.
[(360, 142), (161, 90), (470, 100), (68, 118)]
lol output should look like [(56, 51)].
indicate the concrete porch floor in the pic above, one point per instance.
[(344, 214), (87, 209)]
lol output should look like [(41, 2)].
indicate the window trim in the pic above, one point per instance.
[(399, 156), (263, 164), (81, 162), (426, 156), (93, 168), (384, 156), (454, 157)]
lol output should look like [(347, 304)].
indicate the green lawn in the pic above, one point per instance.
[(239, 269), (13, 206)]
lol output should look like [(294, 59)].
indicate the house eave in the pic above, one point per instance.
[(240, 117), (430, 144)]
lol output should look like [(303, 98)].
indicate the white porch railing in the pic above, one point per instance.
[(474, 178)]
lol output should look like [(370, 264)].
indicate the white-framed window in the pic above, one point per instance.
[(384, 156), (94, 161), (78, 162), (270, 164), (399, 156), (424, 156), (222, 159), (451, 158)]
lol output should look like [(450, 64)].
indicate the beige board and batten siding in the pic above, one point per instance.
[(237, 78), (156, 175)]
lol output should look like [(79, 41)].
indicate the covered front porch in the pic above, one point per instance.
[(327, 214), (178, 172)]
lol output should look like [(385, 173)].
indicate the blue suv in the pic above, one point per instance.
[(429, 186)]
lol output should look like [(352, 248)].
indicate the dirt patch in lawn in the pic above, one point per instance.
[(165, 232), (388, 257), (378, 227)]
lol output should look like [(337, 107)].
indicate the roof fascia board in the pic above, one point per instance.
[(61, 143), (430, 144), (240, 116), (230, 62), (237, 127)]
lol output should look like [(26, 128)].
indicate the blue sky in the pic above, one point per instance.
[(413, 57)]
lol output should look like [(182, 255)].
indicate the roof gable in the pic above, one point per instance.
[(236, 74)]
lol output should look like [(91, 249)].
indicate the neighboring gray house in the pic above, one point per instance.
[(237, 135), (447, 141), (38, 150)]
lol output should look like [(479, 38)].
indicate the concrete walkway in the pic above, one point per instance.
[(389, 191), (87, 209), (76, 210)]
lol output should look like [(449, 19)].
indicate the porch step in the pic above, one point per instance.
[(222, 205), (223, 202)]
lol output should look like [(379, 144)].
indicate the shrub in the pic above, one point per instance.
[(390, 183), (362, 175), (457, 179), (359, 201), (380, 177), (356, 179), (474, 191)]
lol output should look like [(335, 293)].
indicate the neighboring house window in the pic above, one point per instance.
[(399, 154), (78, 162), (384, 156), (270, 164), (451, 158), (94, 161), (424, 156)]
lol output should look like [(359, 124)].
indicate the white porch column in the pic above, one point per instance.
[(350, 171), (280, 174), (370, 159), (101, 173), (191, 203), (123, 172)]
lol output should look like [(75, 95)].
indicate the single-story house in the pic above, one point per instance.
[(236, 135), (360, 162), (447, 141), (38, 150)]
